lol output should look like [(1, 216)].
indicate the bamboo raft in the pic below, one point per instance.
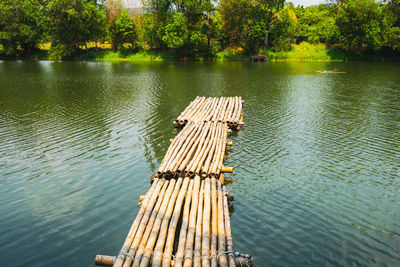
[(184, 217)]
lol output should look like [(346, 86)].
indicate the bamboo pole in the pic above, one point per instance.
[(207, 147), (133, 252), (222, 151), (184, 227), (214, 117), (228, 110), (183, 118), (214, 217), (219, 107), (179, 141), (213, 168), (212, 109), (166, 257), (189, 107), (144, 261), (197, 197), (236, 108), (184, 143), (195, 144), (214, 165), (193, 115), (104, 260), (135, 225), (239, 112), (199, 226), (158, 250), (197, 115), (192, 166), (223, 109), (205, 244), (222, 260), (203, 111), (213, 104), (227, 169), (185, 155), (141, 229), (176, 143), (222, 178), (229, 241), (207, 165)]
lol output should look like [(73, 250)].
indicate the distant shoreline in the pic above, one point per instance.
[(303, 52)]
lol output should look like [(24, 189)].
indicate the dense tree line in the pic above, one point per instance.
[(198, 27)]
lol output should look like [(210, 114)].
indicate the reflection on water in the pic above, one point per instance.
[(317, 164)]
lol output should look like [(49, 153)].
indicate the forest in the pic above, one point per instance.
[(196, 29)]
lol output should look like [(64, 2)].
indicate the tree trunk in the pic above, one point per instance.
[(208, 32), (266, 39)]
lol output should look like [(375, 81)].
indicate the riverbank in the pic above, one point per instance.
[(300, 52)]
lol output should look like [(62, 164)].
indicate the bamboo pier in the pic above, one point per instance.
[(184, 218)]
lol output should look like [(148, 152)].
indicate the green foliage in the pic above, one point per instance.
[(391, 13), (360, 25), (316, 24), (246, 23), (21, 25), (73, 23), (233, 18), (150, 31), (283, 29), (59, 51), (199, 29), (176, 32), (307, 52), (122, 31)]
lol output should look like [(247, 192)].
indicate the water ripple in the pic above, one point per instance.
[(316, 164)]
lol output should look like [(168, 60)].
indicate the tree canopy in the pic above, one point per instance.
[(198, 27)]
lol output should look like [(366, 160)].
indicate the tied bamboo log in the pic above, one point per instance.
[(149, 226), (223, 109), (144, 261), (198, 208), (166, 260), (135, 225), (205, 245), (222, 260), (141, 229), (229, 240), (199, 226), (104, 260), (184, 227), (214, 218), (227, 169), (158, 250), (192, 223)]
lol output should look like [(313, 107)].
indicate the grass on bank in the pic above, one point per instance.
[(299, 52), (307, 52)]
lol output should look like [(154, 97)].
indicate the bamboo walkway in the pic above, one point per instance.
[(184, 217)]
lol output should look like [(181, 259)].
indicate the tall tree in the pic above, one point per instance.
[(248, 23), (316, 23), (360, 25), (122, 30), (21, 24), (283, 29), (73, 23)]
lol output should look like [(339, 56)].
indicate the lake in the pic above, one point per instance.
[(317, 163)]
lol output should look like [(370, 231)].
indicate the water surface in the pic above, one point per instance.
[(317, 163)]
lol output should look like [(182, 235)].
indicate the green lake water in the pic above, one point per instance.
[(317, 163)]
